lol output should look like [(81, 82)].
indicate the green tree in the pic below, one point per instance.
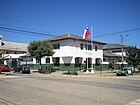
[(133, 56), (39, 49)]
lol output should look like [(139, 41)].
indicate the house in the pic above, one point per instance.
[(112, 53), (72, 52), (11, 52)]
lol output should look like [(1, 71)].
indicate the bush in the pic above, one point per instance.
[(70, 73), (74, 73), (44, 70)]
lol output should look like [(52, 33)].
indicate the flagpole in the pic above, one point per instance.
[(92, 71), (85, 35), (87, 71)]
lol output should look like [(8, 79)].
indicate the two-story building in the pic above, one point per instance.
[(72, 52)]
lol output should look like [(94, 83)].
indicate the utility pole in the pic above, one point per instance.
[(122, 50), (0, 40)]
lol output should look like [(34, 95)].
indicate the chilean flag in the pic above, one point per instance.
[(86, 32)]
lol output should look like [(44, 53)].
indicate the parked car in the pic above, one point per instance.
[(125, 72), (4, 68), (22, 69)]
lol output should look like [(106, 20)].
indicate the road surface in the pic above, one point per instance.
[(46, 90)]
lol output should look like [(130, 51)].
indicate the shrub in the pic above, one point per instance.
[(66, 73), (70, 73), (44, 70), (74, 73)]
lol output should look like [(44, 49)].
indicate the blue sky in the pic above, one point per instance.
[(56, 17)]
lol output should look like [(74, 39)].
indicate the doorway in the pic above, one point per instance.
[(88, 62)]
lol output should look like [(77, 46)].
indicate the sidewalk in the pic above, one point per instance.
[(106, 73), (83, 74)]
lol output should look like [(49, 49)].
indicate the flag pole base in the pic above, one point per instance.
[(92, 71), (87, 71)]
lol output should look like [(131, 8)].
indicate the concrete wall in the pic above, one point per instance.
[(71, 48)]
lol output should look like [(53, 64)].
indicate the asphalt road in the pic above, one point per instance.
[(46, 90)]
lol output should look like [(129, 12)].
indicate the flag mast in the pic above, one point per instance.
[(92, 71), (85, 35)]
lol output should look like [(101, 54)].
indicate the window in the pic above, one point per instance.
[(104, 59), (88, 47), (98, 61), (56, 61), (56, 46), (82, 46), (78, 61), (47, 60), (37, 60), (96, 48)]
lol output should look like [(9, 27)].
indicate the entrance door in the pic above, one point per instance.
[(14, 63), (88, 62)]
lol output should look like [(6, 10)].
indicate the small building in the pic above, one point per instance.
[(112, 54), (11, 52)]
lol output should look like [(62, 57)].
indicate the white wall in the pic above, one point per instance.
[(71, 48), (13, 55)]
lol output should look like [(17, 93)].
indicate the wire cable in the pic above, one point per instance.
[(46, 34), (116, 32), (25, 31)]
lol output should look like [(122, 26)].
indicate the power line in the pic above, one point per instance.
[(116, 32), (25, 31), (46, 34)]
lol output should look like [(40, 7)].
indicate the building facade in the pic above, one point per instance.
[(11, 53), (112, 55), (72, 53)]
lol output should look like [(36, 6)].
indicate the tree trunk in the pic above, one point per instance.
[(134, 68), (40, 62)]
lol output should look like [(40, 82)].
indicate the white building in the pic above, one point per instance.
[(73, 52), (11, 52)]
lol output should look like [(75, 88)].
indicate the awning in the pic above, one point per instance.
[(67, 59)]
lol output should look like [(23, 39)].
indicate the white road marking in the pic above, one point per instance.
[(136, 102)]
